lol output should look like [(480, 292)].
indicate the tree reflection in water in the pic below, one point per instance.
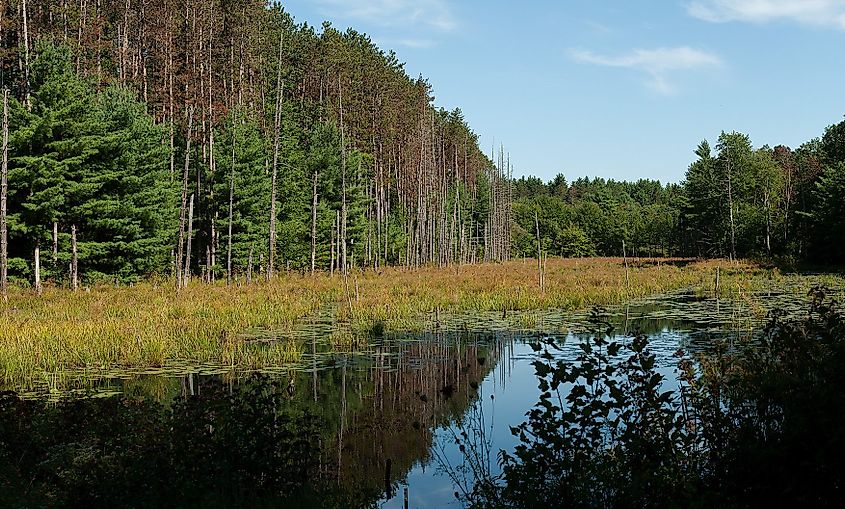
[(336, 437)]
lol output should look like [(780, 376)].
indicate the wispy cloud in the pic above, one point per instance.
[(416, 43), (826, 13), (598, 28), (427, 14), (406, 43), (657, 63)]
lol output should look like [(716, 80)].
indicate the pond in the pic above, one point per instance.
[(373, 427)]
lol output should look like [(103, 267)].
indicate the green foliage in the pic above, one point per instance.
[(294, 193), (594, 217), (94, 161), (574, 243), (251, 197), (704, 214), (833, 144), (828, 215), (758, 425), (738, 201)]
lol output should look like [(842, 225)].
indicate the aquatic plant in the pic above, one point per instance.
[(756, 426), (150, 324)]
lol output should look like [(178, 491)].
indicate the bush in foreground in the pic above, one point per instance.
[(755, 425)]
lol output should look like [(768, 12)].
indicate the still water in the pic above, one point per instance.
[(372, 428)]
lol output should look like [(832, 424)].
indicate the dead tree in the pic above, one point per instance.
[(277, 128), (38, 287), (74, 263), (4, 191), (231, 211), (541, 276), (343, 207), (314, 223), (55, 244), (26, 51), (187, 271), (180, 248)]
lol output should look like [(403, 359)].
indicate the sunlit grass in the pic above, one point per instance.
[(150, 324)]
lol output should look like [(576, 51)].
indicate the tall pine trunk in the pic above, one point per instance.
[(180, 248), (276, 141), (26, 52), (187, 269), (731, 207), (4, 191), (38, 288), (314, 224), (343, 209), (55, 245), (74, 263), (231, 211)]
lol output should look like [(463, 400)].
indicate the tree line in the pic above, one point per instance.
[(222, 139), (736, 201)]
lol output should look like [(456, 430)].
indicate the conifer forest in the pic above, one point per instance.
[(203, 139)]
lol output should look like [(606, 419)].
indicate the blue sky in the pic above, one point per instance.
[(615, 88)]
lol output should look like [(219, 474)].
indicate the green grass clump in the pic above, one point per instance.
[(151, 324)]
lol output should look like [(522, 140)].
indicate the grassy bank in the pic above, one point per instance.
[(150, 324)]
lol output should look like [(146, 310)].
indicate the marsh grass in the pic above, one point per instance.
[(151, 325)]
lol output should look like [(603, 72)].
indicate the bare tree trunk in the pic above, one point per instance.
[(231, 212), (180, 248), (768, 223), (170, 73), (55, 243), (343, 210), (625, 258), (334, 258), (38, 287), (82, 5), (731, 206), (276, 140), (211, 258), (249, 265), (4, 191), (541, 278), (26, 52), (74, 263), (314, 225), (187, 270), (206, 271)]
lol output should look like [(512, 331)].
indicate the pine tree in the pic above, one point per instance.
[(128, 216), (251, 186), (828, 215), (93, 162), (53, 143)]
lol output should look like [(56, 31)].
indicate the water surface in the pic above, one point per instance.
[(364, 428)]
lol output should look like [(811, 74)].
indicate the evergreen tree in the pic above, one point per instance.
[(91, 161), (251, 195), (324, 159), (829, 215), (52, 145), (126, 208), (294, 191)]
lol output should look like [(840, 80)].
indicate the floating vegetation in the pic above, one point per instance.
[(149, 327)]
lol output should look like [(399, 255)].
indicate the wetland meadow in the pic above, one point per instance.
[(295, 392), (249, 258), (251, 326)]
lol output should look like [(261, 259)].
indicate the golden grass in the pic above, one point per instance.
[(150, 324)]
